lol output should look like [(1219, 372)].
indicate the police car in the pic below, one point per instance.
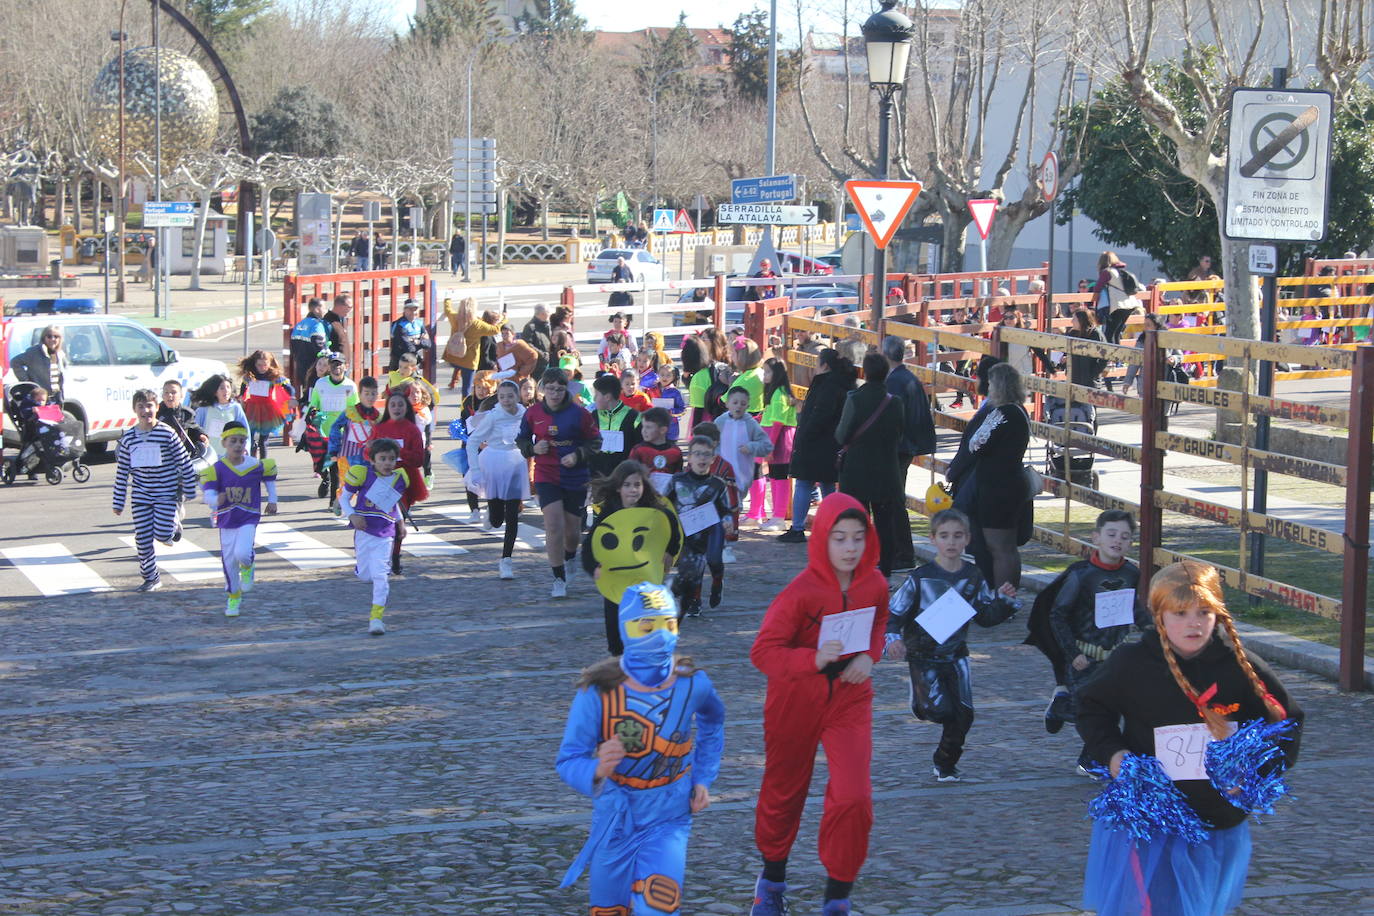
[(110, 357)]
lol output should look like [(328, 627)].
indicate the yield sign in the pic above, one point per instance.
[(882, 205), (683, 223), (982, 212)]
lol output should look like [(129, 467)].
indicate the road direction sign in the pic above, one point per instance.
[(767, 215), (683, 223), (983, 211), (762, 190), (1264, 260), (882, 205), (663, 220), (1278, 164), (169, 214), (1049, 176)]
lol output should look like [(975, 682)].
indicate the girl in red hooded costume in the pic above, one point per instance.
[(819, 692)]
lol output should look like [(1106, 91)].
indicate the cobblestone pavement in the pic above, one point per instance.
[(159, 758)]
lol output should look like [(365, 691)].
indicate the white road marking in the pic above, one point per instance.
[(300, 550), (55, 570), (185, 561)]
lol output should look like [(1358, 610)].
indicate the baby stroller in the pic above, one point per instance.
[(49, 439), (1082, 419)]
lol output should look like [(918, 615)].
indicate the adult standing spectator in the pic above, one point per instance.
[(621, 273), (539, 336), (1200, 271), (457, 254), (993, 464), (852, 346), (408, 335), (522, 357), (871, 428), (44, 364), (463, 354), (1086, 369), (918, 438), (336, 324), (813, 445), (361, 250), (561, 340), (381, 253), (309, 336)]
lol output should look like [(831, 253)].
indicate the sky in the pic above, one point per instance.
[(619, 16)]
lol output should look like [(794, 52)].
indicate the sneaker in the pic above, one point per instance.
[(475, 517), (951, 774), (503, 569), (246, 579), (1081, 770), (323, 490), (793, 536), (176, 535), (487, 526), (773, 524), (836, 908), (691, 606), (559, 590), (375, 627), (728, 554), (769, 898), (336, 510), (231, 607), (150, 585), (1056, 714), (717, 587)]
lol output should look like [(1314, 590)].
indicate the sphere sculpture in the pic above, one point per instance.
[(190, 108)]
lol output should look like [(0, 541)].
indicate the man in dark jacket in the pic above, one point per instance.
[(44, 364), (918, 439), (813, 444), (457, 254), (539, 335), (871, 427)]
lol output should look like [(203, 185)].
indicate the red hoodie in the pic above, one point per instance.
[(785, 648)]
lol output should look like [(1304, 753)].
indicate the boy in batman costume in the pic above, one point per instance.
[(628, 744)]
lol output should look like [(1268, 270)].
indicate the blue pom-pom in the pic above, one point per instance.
[(1251, 763), (1143, 802), (458, 429)]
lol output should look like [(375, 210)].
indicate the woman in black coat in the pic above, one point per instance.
[(871, 427), (995, 458), (814, 445)]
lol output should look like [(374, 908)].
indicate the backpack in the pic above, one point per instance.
[(1130, 283), (721, 377)]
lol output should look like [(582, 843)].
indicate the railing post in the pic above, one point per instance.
[(1151, 460), (922, 320), (1355, 584), (567, 299), (718, 319)]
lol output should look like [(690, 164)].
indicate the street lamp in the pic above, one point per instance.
[(887, 44), (120, 37), (653, 130)]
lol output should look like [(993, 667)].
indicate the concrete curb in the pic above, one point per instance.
[(227, 324), (1270, 645)]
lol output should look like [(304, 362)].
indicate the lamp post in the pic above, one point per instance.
[(653, 130), (120, 37), (887, 45)]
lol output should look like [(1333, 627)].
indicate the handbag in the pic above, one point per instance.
[(882, 405), (456, 348)]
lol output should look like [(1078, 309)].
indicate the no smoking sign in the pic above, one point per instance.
[(1278, 164)]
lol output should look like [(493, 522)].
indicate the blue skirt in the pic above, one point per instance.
[(1166, 877)]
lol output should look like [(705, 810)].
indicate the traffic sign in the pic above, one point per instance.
[(982, 211), (1278, 164), (1264, 260), (762, 190), (664, 219), (882, 205), (1049, 176), (767, 215), (169, 214), (683, 223)]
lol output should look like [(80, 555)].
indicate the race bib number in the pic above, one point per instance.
[(333, 401), (1114, 609), (259, 389), (613, 440), (506, 362), (383, 493), (699, 519), (1182, 750), (853, 629), (147, 455)]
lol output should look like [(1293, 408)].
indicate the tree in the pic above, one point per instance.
[(298, 122), (226, 22), (749, 58), (667, 64), (550, 16), (447, 21)]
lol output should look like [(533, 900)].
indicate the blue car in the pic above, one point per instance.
[(55, 307)]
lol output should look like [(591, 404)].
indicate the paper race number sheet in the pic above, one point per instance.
[(853, 629)]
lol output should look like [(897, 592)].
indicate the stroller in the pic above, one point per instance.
[(49, 439), (1082, 419)]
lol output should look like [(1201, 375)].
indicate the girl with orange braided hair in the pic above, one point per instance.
[(1166, 697)]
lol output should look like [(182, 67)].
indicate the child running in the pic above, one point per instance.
[(372, 505), (666, 390), (780, 425), (232, 488), (349, 434), (618, 423), (329, 398), (657, 452), (706, 511), (400, 427), (936, 651), (820, 692), (629, 746), (216, 408), (498, 470), (742, 442), (151, 458), (1158, 703), (266, 395), (1093, 612)]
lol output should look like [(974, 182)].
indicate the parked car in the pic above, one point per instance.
[(811, 296), (110, 358), (834, 259), (643, 265), (802, 265)]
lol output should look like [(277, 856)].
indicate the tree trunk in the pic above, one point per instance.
[(952, 257), (202, 220), (60, 202), (77, 221), (544, 216)]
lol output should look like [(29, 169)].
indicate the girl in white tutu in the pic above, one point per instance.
[(500, 474)]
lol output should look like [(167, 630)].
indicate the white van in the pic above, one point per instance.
[(110, 358)]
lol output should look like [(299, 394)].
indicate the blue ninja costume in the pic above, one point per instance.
[(637, 849)]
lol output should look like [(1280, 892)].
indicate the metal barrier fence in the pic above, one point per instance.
[(376, 295)]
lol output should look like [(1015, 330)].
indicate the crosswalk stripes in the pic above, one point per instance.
[(55, 570), (184, 560), (299, 549), (424, 544), (527, 537)]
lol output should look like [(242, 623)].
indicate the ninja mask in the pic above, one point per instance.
[(629, 545), (648, 624)]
